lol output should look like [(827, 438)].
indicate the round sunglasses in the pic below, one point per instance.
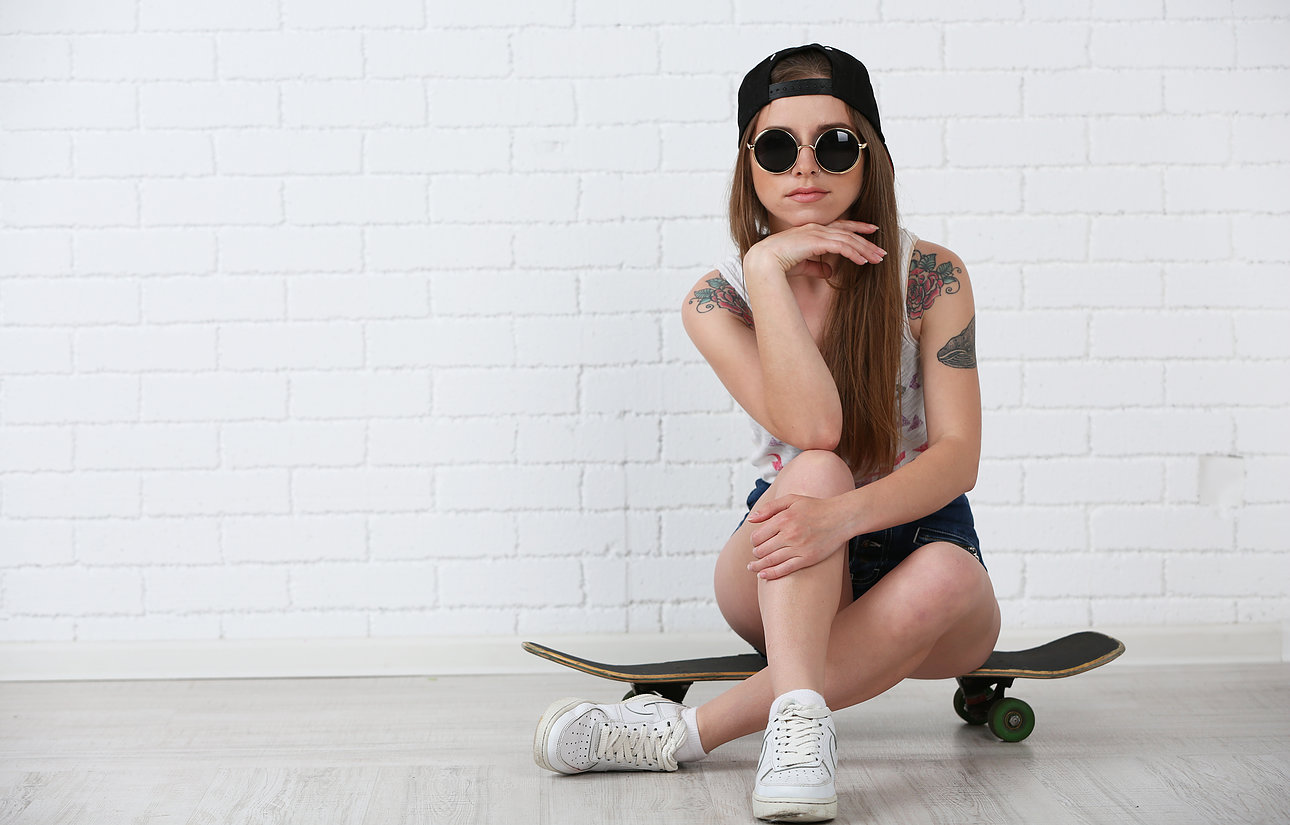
[(837, 151)]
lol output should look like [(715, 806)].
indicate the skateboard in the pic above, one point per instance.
[(979, 700)]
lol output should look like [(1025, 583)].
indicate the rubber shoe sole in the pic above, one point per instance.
[(789, 809), (543, 733)]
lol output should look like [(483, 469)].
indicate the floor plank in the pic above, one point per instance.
[(1121, 745)]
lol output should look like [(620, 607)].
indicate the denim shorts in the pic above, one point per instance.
[(874, 555)]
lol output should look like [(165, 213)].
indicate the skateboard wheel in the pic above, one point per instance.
[(970, 715), (1011, 719)]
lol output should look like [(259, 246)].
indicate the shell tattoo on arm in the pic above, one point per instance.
[(960, 351)]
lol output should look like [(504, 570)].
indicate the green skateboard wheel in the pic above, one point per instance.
[(1011, 719)]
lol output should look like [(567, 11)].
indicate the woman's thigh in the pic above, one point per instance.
[(736, 588), (735, 585)]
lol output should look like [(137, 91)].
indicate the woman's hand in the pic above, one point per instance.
[(800, 250), (795, 532)]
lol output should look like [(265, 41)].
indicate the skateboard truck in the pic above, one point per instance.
[(674, 691)]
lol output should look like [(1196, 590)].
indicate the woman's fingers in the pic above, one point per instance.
[(798, 248), (763, 510), (850, 240), (777, 564), (856, 226), (860, 253), (762, 542), (791, 565), (770, 559), (837, 246)]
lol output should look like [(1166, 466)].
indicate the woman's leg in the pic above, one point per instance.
[(788, 618), (933, 617)]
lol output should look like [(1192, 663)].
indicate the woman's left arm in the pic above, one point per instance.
[(943, 318)]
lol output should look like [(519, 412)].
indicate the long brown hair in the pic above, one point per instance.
[(861, 338)]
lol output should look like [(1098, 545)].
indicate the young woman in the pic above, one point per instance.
[(850, 343)]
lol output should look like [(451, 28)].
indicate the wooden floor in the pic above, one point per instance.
[(1121, 745)]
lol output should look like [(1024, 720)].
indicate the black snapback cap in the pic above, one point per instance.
[(850, 84)]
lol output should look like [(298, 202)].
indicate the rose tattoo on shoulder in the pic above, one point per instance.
[(719, 293), (927, 280)]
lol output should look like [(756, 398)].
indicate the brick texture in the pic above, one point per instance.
[(334, 319)]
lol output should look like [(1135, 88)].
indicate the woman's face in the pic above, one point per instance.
[(805, 193)]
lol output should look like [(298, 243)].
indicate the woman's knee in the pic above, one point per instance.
[(949, 577), (967, 616), (815, 472)]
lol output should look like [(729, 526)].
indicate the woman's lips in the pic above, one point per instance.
[(807, 195)]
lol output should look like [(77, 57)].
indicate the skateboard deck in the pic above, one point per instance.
[(980, 699)]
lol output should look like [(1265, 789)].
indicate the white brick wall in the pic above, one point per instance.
[(360, 319)]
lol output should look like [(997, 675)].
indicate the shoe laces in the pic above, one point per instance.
[(799, 736), (637, 746)]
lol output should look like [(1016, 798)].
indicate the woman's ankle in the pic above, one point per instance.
[(691, 749)]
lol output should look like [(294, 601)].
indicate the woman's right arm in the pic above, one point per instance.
[(774, 368), (720, 324)]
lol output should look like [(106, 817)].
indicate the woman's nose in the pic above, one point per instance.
[(807, 166)]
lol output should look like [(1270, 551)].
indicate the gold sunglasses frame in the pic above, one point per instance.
[(811, 146)]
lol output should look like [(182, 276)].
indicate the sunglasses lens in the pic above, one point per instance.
[(775, 151), (837, 150)]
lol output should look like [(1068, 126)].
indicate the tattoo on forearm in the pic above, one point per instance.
[(960, 351), (927, 280), (719, 293)]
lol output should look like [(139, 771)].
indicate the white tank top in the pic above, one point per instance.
[(770, 454)]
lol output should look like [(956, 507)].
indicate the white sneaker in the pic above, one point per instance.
[(640, 734), (798, 761)]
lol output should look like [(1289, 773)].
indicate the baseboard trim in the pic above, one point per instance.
[(444, 656)]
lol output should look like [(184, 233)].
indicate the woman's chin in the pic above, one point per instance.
[(787, 219)]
